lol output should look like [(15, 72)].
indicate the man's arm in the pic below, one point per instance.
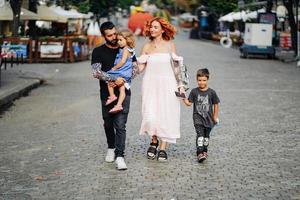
[(99, 74), (97, 67)]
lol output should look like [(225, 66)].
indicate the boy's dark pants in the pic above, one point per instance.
[(115, 126), (202, 138)]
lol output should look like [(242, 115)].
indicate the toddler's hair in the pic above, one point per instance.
[(128, 36), (203, 72)]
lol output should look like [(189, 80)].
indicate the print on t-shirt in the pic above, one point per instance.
[(202, 105)]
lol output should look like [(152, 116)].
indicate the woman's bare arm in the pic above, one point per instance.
[(143, 52)]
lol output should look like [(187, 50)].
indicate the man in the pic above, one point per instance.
[(114, 124)]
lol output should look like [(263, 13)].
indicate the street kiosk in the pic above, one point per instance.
[(258, 40)]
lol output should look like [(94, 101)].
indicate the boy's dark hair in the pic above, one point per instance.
[(203, 72), (106, 26)]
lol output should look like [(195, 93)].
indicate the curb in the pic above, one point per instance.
[(20, 90)]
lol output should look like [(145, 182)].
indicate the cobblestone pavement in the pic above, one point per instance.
[(53, 145)]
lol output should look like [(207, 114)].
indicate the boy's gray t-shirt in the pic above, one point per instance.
[(203, 106)]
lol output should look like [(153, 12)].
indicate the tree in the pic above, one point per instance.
[(84, 7), (16, 8), (99, 8), (290, 5), (187, 5), (220, 7), (32, 28)]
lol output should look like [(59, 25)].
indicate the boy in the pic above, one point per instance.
[(205, 114)]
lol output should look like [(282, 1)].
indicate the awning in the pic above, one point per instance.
[(227, 18), (6, 14), (235, 16), (70, 14), (239, 16), (253, 14), (45, 13)]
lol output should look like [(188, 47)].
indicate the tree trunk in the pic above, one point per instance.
[(289, 6), (16, 8), (32, 28)]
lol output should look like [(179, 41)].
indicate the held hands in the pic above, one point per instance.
[(180, 93), (181, 90)]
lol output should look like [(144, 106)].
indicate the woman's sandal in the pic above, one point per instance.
[(162, 155), (152, 150)]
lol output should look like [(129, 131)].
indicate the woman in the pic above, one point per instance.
[(160, 106)]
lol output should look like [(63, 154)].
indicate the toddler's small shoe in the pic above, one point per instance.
[(116, 109), (110, 99)]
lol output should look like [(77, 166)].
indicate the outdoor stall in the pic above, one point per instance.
[(15, 49), (67, 47)]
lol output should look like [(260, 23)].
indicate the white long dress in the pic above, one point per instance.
[(160, 106)]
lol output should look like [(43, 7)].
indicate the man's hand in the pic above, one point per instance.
[(111, 84), (120, 81), (96, 75)]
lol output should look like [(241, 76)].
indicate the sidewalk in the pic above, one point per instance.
[(19, 80)]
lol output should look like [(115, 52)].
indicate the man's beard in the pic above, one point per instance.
[(112, 42)]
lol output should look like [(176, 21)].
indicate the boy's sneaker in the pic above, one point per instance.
[(201, 157), (120, 162), (110, 155)]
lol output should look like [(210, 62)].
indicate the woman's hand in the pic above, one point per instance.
[(181, 90)]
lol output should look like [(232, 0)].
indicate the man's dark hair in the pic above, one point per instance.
[(106, 26), (203, 72)]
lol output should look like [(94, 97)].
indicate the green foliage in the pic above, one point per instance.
[(67, 4), (84, 7), (125, 4), (221, 6), (99, 7)]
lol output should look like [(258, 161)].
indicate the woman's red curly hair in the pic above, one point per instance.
[(169, 29)]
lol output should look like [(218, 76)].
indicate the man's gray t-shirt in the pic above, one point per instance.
[(203, 106)]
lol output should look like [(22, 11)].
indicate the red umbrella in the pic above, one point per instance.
[(137, 21)]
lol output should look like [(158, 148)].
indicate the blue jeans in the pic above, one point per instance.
[(115, 126)]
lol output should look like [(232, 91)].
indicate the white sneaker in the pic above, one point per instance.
[(110, 155), (121, 165)]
